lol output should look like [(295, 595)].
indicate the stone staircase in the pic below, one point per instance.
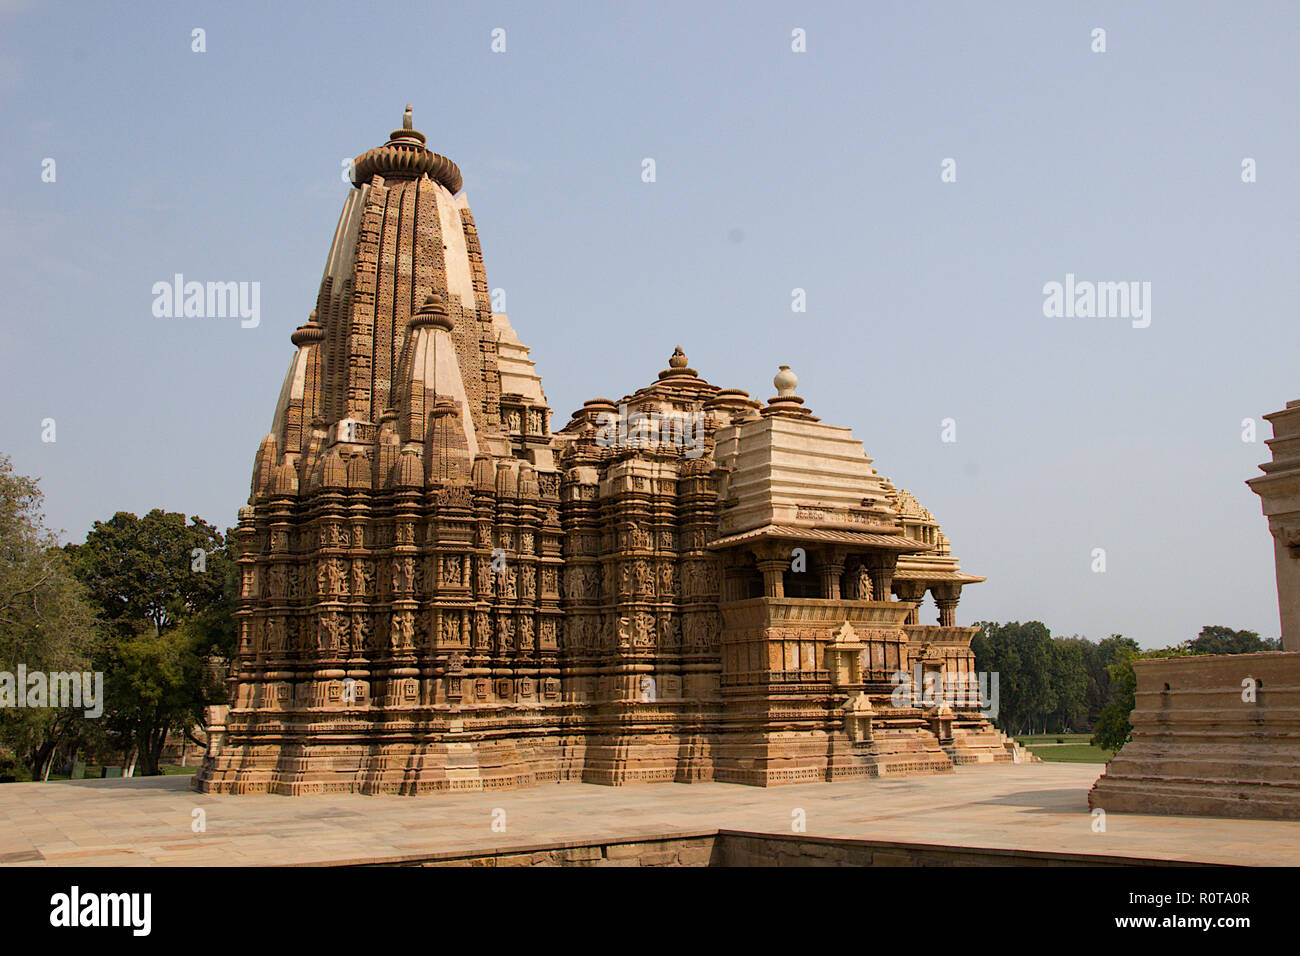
[(1018, 753)]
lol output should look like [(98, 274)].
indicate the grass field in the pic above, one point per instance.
[(1072, 748), (92, 773)]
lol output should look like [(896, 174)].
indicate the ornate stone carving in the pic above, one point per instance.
[(367, 550)]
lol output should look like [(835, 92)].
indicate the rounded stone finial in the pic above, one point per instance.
[(786, 403), (678, 370), (433, 312), (406, 157), (309, 333)]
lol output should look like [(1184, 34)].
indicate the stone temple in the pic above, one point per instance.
[(441, 591)]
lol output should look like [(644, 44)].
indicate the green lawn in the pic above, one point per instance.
[(1072, 753), (1075, 749), (1030, 739), (92, 773)]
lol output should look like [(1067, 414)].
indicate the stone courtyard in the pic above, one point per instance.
[(999, 813)]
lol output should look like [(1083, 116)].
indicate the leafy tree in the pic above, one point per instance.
[(1048, 684), (1035, 644), (993, 655), (1021, 655), (165, 587), (1113, 729), (1070, 686), (1109, 651), (161, 683), (1054, 684), (46, 623), (1217, 639), (143, 570)]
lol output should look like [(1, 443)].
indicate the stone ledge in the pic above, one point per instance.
[(749, 848)]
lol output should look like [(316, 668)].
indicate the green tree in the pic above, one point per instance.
[(1021, 656), (46, 623), (160, 683), (1217, 639), (1048, 684), (154, 570), (1069, 685), (995, 655), (165, 587), (1097, 658), (1113, 728)]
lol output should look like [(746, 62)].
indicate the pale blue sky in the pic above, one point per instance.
[(775, 170)]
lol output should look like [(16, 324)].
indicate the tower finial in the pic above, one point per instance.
[(786, 404), (407, 120), (786, 382)]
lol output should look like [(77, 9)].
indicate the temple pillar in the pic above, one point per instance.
[(947, 596), (733, 584), (832, 568), (1279, 493), (773, 576), (914, 592), (881, 570)]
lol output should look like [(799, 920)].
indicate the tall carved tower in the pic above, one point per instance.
[(408, 446)]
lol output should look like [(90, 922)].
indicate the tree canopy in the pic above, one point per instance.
[(165, 590), (1217, 639), (46, 622), (155, 570)]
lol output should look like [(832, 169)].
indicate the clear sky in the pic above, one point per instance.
[(775, 170)]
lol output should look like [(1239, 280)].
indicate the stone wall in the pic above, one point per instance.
[(1212, 736), (741, 848)]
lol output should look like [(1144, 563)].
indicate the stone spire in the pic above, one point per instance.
[(299, 402), (430, 393), (406, 255)]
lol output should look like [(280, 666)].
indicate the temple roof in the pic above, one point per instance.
[(903, 573), (862, 539), (787, 468), (935, 564)]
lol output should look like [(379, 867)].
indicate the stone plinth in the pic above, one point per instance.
[(1204, 744), (947, 650), (785, 695)]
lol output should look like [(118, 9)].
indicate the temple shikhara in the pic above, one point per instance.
[(443, 591)]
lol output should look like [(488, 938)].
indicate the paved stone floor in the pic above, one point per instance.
[(1029, 806)]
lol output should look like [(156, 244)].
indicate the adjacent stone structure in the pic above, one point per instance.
[(439, 591), (1279, 492), (1219, 735)]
